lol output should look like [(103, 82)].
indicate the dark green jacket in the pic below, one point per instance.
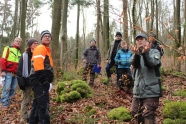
[(146, 82)]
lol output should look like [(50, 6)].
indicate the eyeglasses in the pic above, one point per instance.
[(45, 36)]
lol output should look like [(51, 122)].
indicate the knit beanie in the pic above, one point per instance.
[(118, 33), (31, 41), (45, 32), (93, 40)]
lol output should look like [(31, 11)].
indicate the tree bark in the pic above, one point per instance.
[(125, 20), (98, 22), (64, 35), (56, 19), (23, 25), (77, 35), (134, 17)]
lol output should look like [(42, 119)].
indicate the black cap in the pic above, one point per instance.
[(118, 33), (141, 35)]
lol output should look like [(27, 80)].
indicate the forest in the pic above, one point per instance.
[(165, 18)]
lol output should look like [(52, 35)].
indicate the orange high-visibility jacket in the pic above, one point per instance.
[(41, 58)]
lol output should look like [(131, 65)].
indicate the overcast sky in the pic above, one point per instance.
[(44, 21)]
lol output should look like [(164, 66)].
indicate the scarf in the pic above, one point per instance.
[(25, 65)]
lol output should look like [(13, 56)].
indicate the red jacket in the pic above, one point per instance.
[(10, 59)]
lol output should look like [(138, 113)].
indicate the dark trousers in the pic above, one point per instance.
[(40, 107), (123, 71), (108, 67), (89, 69), (144, 108)]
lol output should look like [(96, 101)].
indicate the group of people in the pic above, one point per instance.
[(33, 70), (141, 61)]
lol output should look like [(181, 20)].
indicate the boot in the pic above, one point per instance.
[(149, 120), (140, 119)]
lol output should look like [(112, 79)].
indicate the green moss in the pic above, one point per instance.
[(163, 88), (60, 87), (178, 74), (71, 91), (174, 110), (121, 114), (89, 110), (180, 92), (73, 96), (176, 121)]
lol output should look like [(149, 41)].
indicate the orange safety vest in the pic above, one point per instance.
[(42, 59)]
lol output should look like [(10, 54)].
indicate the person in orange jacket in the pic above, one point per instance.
[(41, 76)]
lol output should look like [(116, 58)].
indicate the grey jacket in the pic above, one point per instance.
[(92, 55), (146, 82), (109, 53)]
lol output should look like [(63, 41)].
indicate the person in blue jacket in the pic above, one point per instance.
[(122, 59)]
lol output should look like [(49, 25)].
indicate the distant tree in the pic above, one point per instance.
[(79, 3), (6, 19)]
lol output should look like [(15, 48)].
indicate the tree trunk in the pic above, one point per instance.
[(23, 25), (77, 36), (125, 20), (152, 15), (98, 23), (106, 25), (14, 27), (178, 23), (134, 17), (56, 19), (157, 22), (84, 28), (64, 35)]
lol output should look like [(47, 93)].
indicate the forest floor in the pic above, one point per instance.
[(105, 98)]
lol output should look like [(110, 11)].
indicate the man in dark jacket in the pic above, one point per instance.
[(146, 91), (91, 56), (113, 49)]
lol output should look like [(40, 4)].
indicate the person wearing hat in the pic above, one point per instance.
[(41, 75), (155, 44), (91, 56), (23, 72), (146, 90), (113, 49), (8, 66)]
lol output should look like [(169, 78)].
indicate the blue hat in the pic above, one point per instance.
[(45, 32), (141, 35)]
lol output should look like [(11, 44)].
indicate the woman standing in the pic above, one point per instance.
[(23, 73)]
